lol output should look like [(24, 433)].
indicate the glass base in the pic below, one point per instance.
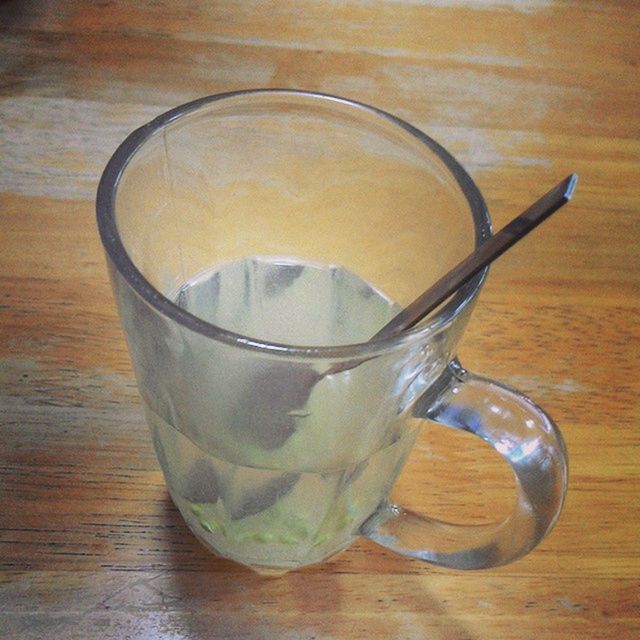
[(266, 570)]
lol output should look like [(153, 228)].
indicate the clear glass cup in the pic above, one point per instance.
[(256, 240)]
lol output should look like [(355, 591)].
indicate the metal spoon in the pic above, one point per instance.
[(486, 253)]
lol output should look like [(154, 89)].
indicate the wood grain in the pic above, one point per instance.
[(523, 93)]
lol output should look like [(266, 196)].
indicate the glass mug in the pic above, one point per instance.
[(256, 241)]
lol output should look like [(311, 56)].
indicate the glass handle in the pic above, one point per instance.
[(524, 435)]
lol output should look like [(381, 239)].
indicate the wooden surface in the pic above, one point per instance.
[(523, 92)]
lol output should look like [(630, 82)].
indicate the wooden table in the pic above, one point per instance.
[(523, 92)]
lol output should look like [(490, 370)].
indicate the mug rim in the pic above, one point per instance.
[(117, 254)]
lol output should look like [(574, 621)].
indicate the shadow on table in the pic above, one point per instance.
[(361, 593)]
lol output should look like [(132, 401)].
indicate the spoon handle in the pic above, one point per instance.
[(486, 253)]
